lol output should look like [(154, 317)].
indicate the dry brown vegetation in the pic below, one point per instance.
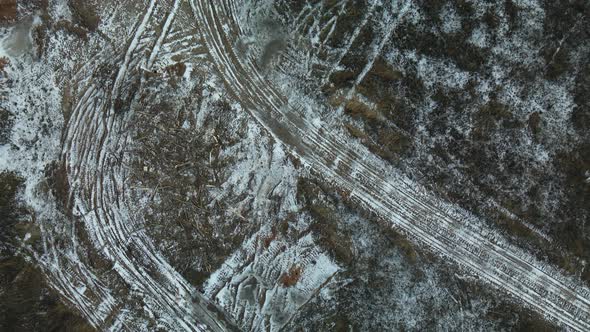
[(10, 211), (402, 243), (176, 69), (74, 29), (176, 164), (490, 153), (489, 118), (3, 63), (57, 180), (267, 240), (385, 72), (386, 119), (357, 108), (7, 10), (84, 13), (28, 304), (325, 221), (6, 121), (26, 301), (291, 278)]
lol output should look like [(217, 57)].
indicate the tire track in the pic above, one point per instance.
[(440, 227), (93, 147), (163, 35)]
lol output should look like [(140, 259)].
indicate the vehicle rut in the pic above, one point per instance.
[(439, 227)]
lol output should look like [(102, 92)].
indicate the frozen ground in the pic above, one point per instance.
[(201, 165)]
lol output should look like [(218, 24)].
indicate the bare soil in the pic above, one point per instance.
[(7, 11)]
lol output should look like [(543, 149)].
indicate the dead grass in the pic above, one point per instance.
[(267, 240), (342, 78), (3, 63), (177, 165), (291, 278), (355, 132), (325, 221), (177, 69), (28, 304), (8, 11), (26, 301), (490, 117), (401, 242), (57, 179), (6, 122), (358, 109), (515, 227), (74, 29), (534, 123), (10, 211), (393, 143), (84, 12), (382, 70)]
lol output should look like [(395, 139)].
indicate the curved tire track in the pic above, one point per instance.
[(440, 227), (93, 148)]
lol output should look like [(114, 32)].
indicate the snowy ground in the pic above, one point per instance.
[(164, 147)]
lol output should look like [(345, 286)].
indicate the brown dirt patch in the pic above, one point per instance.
[(7, 11), (292, 277)]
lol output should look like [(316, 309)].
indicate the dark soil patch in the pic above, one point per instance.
[(26, 301), (7, 11), (84, 13), (6, 122)]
